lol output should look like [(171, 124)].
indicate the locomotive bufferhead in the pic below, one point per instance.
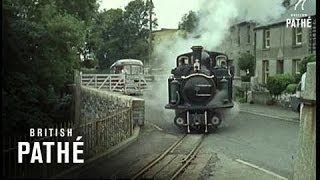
[(199, 87)]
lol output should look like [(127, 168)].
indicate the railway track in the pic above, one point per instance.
[(177, 157)]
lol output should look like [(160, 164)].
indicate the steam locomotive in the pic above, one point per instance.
[(200, 88)]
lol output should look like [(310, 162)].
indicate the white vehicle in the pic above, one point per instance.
[(133, 75), (296, 98)]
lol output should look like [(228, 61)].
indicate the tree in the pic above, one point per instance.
[(111, 32), (189, 22), (246, 63), (123, 34), (41, 53)]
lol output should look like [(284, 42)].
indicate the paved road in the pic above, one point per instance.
[(266, 142)]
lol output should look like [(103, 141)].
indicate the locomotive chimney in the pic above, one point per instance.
[(196, 52)]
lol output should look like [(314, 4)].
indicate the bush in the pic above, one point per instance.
[(277, 84), (305, 61), (246, 62), (291, 88), (297, 78), (238, 92)]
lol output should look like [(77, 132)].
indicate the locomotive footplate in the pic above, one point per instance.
[(185, 107)]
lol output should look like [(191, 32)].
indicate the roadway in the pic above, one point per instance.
[(265, 142)]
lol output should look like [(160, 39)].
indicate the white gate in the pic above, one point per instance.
[(127, 83)]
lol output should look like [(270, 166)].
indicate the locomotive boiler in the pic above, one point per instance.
[(200, 88)]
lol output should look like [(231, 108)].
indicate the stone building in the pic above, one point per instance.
[(279, 48), (239, 40)]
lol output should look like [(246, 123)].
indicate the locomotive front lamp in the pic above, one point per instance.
[(196, 65)]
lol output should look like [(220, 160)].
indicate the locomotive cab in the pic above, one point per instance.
[(199, 88)]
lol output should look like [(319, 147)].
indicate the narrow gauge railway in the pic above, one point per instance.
[(174, 160)]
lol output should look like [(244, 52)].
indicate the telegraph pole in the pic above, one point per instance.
[(150, 30)]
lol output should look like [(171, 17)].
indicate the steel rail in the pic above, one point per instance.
[(188, 159), (159, 158)]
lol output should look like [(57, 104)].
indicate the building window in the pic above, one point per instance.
[(279, 66), (248, 34), (295, 66), (265, 71), (266, 39), (297, 36)]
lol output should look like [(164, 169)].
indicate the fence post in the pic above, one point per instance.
[(77, 99), (138, 111), (305, 164)]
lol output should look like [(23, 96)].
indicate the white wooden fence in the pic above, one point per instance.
[(127, 83)]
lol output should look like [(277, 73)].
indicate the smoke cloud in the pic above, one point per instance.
[(216, 16)]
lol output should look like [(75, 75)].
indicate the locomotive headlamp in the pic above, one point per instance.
[(196, 65)]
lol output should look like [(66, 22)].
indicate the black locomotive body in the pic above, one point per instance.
[(200, 87)]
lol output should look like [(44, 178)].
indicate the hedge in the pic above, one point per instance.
[(277, 84), (291, 88)]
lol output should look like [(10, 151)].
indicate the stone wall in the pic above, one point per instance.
[(305, 163), (260, 97), (96, 105), (104, 119)]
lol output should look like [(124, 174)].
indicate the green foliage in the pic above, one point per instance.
[(123, 33), (89, 64), (291, 88), (189, 22), (277, 84), (246, 63), (239, 93), (305, 61), (297, 78), (40, 51), (43, 41)]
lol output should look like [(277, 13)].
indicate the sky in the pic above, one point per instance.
[(168, 12)]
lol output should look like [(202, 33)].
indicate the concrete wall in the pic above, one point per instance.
[(305, 163)]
